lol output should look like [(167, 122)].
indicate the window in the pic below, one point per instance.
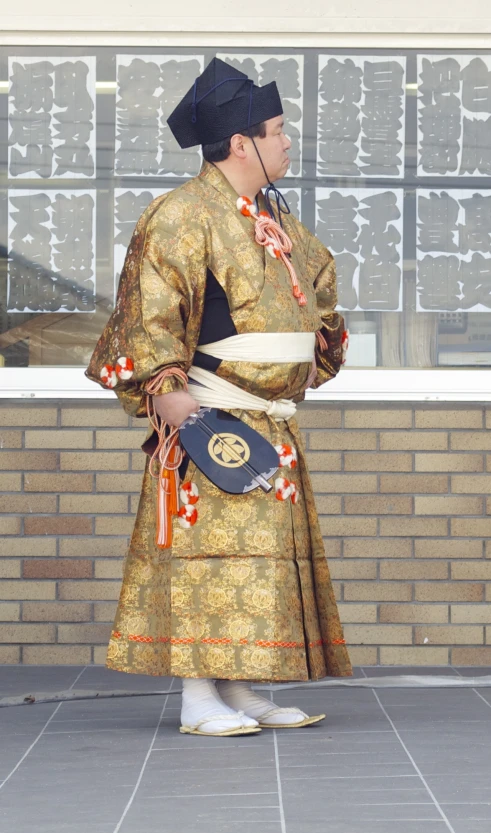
[(390, 165)]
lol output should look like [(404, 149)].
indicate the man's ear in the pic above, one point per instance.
[(237, 146)]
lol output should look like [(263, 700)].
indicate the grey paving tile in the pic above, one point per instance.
[(436, 721), (338, 743), (84, 779), (470, 826), (404, 670), (462, 701), (427, 710), (223, 812), (473, 671), (485, 693), (345, 792), (206, 810), (361, 757), (335, 695), (320, 771), (235, 811), (172, 825), (204, 782), (442, 765), (466, 730), (357, 711), (388, 806), (342, 742), (328, 699), (335, 724), (454, 787), (24, 721), (220, 758), (461, 814), (116, 724), (140, 707), (57, 809), (225, 800), (355, 826), (96, 676), (416, 695), (25, 679), (421, 741), (64, 827)]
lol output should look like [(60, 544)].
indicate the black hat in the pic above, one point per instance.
[(221, 102)]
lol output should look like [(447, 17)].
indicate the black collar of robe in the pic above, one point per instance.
[(221, 102)]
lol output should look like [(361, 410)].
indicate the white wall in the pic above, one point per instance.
[(303, 22)]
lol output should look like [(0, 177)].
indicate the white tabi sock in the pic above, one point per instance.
[(239, 695), (202, 707)]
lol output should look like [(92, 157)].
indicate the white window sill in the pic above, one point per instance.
[(370, 385)]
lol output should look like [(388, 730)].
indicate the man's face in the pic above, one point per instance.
[(273, 149)]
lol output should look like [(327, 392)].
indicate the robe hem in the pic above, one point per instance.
[(225, 676)]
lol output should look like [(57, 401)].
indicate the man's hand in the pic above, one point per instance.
[(175, 407)]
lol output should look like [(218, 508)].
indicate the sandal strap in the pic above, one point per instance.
[(281, 710), (216, 717)]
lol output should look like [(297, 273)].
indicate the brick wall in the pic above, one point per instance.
[(402, 493)]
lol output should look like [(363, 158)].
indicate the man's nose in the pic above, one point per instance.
[(288, 143)]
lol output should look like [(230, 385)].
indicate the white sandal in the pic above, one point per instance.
[(238, 730), (307, 721)]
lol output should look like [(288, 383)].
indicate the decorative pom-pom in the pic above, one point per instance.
[(187, 516), (108, 376), (189, 493), (244, 205), (283, 488), (287, 454), (124, 368)]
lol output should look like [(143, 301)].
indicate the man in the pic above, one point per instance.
[(213, 308)]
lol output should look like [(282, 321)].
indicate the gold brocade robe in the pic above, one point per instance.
[(245, 593)]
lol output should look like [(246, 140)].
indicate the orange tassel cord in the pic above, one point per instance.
[(268, 233), (169, 455)]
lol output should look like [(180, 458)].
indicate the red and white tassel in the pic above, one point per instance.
[(344, 345), (294, 492)]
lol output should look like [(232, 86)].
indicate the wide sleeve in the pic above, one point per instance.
[(155, 324), (331, 349)]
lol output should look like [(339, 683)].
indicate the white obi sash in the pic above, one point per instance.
[(213, 392), (263, 347)]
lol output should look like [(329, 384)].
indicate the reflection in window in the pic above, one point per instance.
[(390, 165)]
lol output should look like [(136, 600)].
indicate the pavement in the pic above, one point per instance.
[(386, 760)]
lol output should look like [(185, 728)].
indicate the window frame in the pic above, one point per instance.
[(357, 385)]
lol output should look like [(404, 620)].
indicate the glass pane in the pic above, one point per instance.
[(391, 166)]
